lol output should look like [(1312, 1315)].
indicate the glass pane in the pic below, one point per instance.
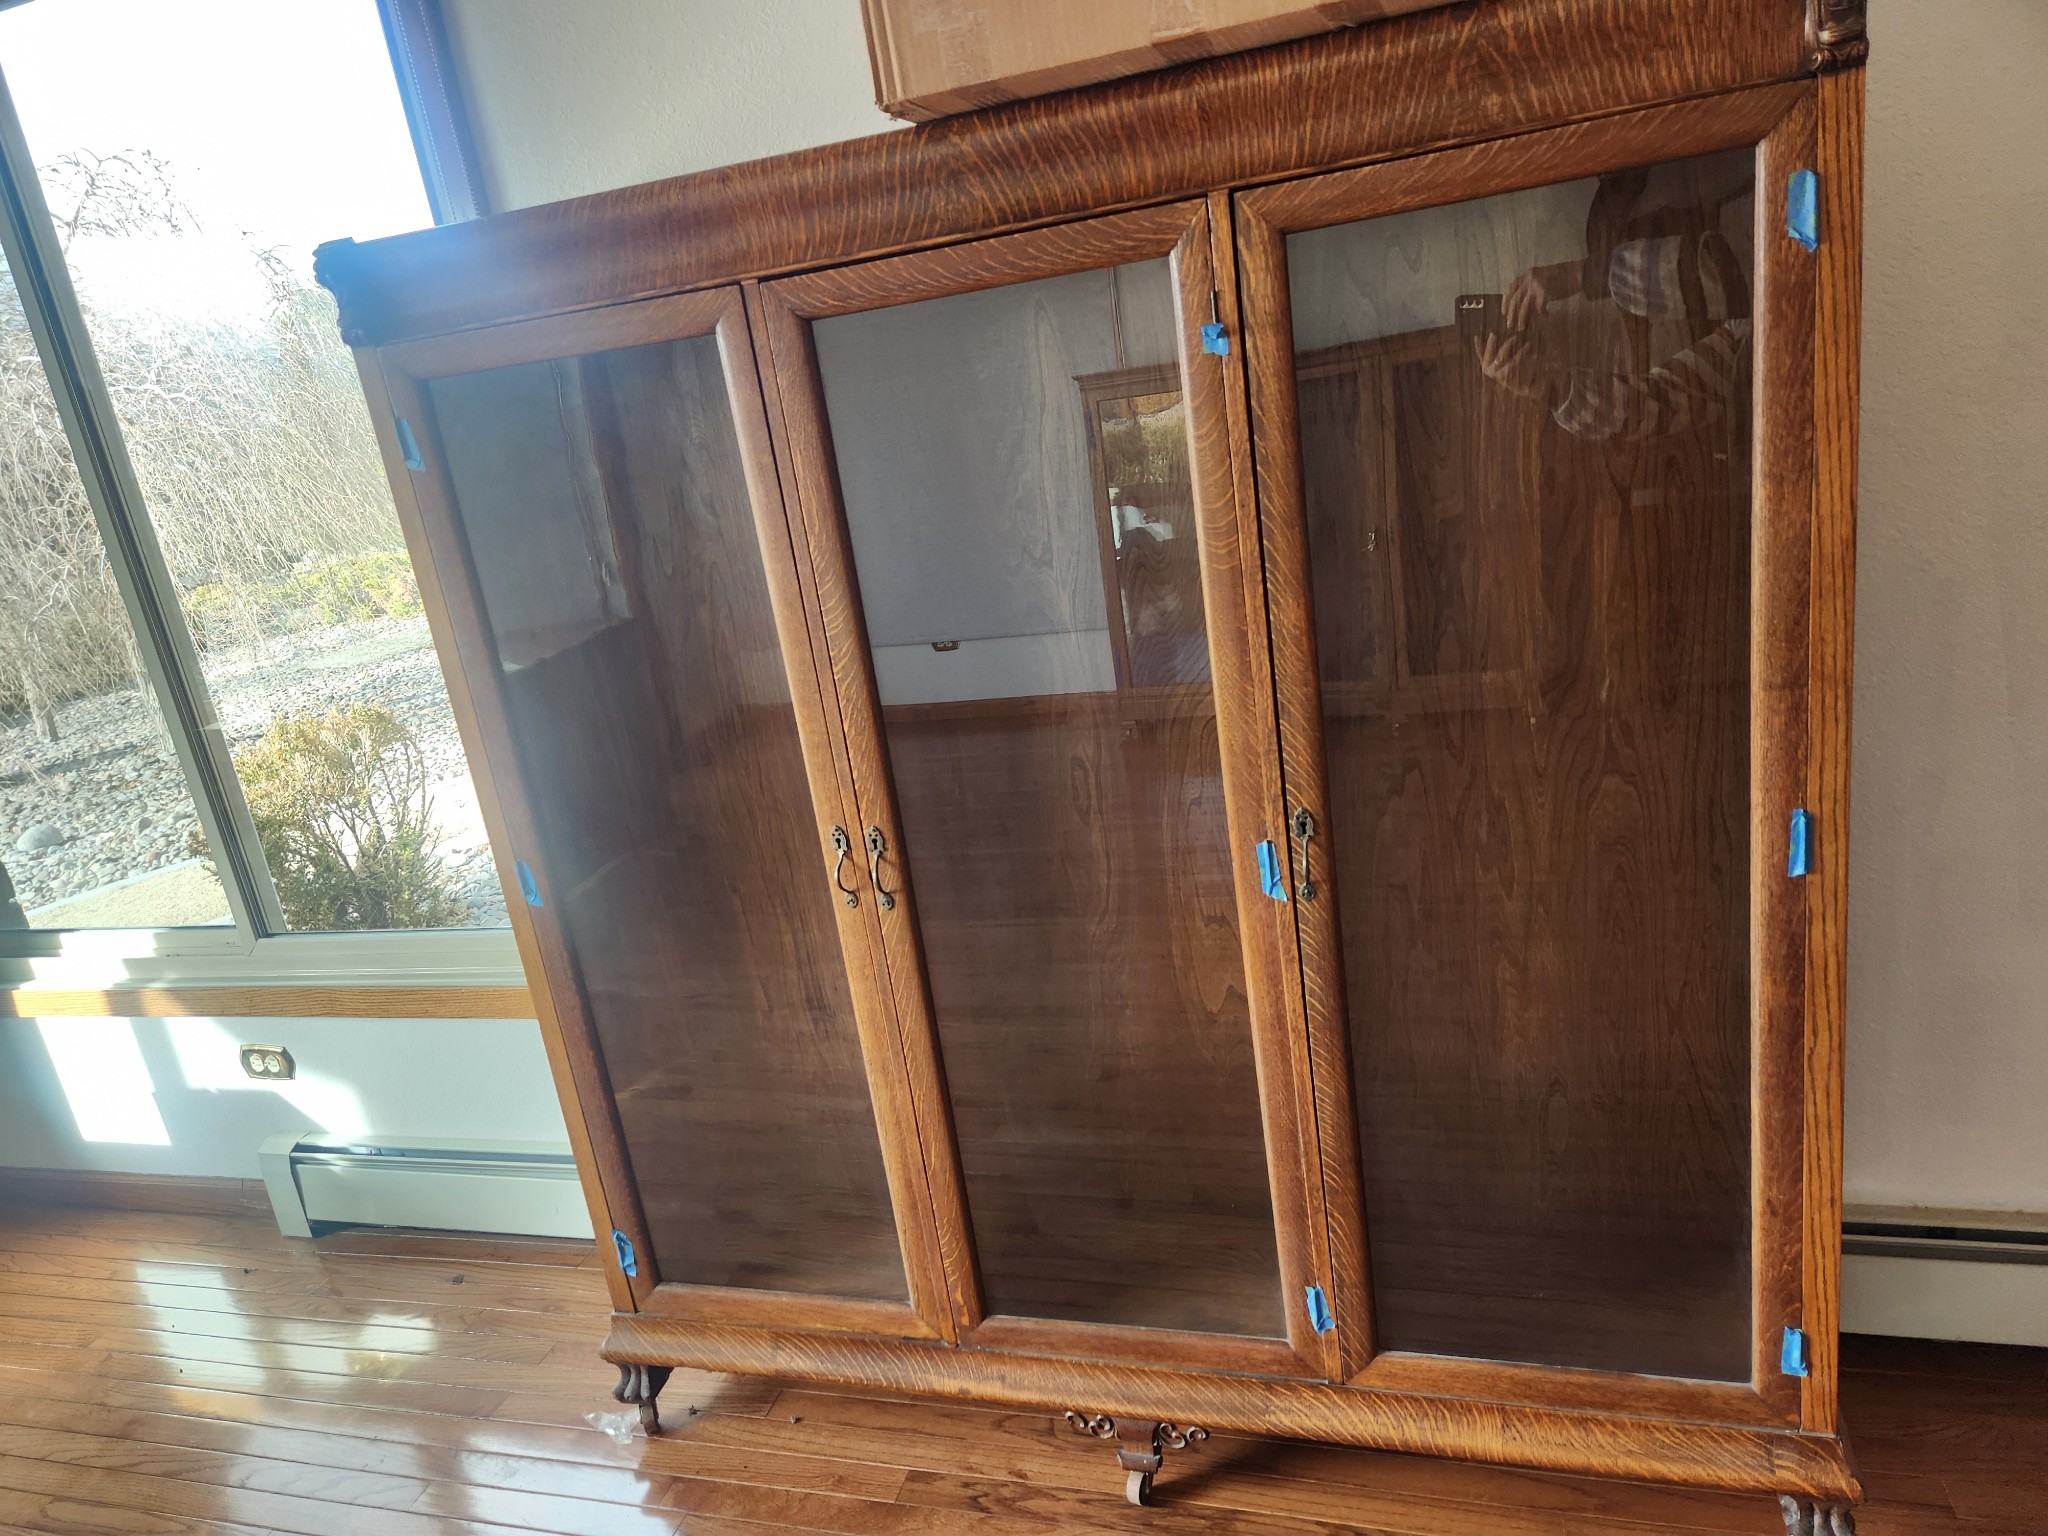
[(609, 525), (1014, 467), (191, 168), (1525, 434), (97, 828)]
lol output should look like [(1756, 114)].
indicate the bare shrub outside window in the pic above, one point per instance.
[(188, 231)]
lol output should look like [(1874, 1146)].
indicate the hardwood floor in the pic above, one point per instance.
[(168, 1374)]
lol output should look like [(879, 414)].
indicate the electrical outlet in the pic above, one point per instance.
[(271, 1063)]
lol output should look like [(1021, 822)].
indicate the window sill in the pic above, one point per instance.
[(351, 1001), (179, 973)]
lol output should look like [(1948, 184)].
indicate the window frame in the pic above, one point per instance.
[(256, 947)]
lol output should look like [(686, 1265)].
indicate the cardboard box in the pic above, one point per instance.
[(934, 57)]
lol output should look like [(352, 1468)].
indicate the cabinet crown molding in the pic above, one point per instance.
[(1455, 75)]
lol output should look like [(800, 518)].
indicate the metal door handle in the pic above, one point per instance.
[(843, 846), (876, 843), (1304, 829)]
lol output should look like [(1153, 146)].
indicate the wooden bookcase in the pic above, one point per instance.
[(1181, 751)]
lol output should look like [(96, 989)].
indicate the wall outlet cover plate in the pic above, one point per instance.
[(269, 1063)]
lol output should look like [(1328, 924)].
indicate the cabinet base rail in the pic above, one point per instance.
[(1734, 1458)]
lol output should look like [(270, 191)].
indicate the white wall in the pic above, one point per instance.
[(1948, 904), (169, 1095), (573, 98)]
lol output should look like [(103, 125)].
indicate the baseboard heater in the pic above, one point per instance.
[(516, 1187), (1930, 1274)]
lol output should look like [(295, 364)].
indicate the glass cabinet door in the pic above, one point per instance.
[(1000, 461), (600, 503), (1523, 506)]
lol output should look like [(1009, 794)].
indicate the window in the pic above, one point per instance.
[(220, 707)]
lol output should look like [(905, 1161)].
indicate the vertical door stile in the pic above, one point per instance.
[(1838, 313), (1293, 1104), (1272, 432), (908, 1080)]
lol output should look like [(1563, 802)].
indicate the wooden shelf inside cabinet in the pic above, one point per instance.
[(1154, 732)]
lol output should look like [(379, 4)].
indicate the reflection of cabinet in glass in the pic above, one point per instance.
[(1183, 812), (1414, 473)]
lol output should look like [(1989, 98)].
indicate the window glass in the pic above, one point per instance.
[(97, 828), (192, 158)]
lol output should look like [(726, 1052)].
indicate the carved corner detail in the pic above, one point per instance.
[(333, 266), (1836, 34)]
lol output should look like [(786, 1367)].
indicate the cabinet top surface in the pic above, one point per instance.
[(1466, 73)]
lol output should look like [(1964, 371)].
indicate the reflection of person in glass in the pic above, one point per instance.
[(1657, 252)]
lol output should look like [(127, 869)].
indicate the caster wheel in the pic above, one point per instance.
[(1138, 1487)]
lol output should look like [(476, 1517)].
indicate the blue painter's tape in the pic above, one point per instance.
[(409, 446), (1319, 1316), (1270, 875), (625, 1246), (1215, 340), (1799, 849), (1792, 1354), (1802, 209), (527, 885)]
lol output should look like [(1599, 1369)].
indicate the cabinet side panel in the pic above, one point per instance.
[(1778, 743)]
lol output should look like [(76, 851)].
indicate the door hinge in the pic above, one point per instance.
[(1799, 849), (1802, 208), (624, 1244), (1320, 1317), (1792, 1358)]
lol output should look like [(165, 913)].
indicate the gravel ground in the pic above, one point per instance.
[(114, 792)]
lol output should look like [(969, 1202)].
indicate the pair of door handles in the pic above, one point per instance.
[(877, 844), (1303, 825)]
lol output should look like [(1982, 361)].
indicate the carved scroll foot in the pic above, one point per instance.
[(1141, 1446), (641, 1385), (1807, 1517)]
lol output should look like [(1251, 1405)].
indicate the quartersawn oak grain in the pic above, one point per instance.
[(1469, 73), (1731, 1457)]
